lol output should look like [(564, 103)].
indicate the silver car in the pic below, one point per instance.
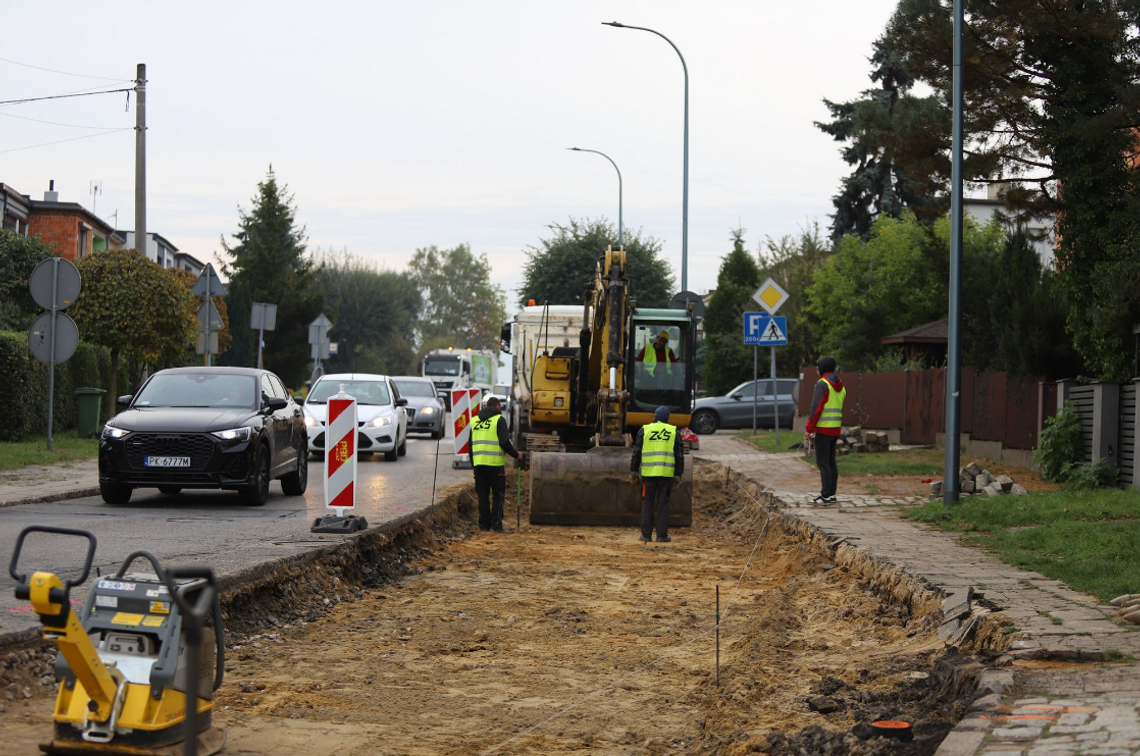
[(425, 409), (736, 408)]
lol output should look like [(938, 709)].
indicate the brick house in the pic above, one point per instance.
[(67, 227)]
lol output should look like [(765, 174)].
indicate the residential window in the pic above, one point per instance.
[(81, 247)]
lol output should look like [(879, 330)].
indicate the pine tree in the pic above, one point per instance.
[(728, 361), (269, 264)]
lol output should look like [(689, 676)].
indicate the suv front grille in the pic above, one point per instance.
[(198, 448)]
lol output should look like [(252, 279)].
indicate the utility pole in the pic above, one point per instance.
[(140, 163), (950, 489)]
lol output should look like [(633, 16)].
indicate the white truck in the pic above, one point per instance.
[(535, 329), (453, 368)]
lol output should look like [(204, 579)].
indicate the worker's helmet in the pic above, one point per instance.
[(663, 335)]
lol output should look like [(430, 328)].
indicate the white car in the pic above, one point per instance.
[(380, 413)]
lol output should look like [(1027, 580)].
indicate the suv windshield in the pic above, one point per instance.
[(443, 366), (365, 392), (416, 388), (198, 390)]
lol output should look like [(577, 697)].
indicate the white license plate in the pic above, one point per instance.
[(166, 461)]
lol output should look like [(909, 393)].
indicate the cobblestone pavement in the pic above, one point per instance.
[(1056, 697)]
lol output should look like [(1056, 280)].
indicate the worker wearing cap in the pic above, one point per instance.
[(659, 353), (658, 460), (489, 448), (826, 422)]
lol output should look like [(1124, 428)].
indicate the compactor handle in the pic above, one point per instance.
[(203, 587), (22, 578), (143, 553)]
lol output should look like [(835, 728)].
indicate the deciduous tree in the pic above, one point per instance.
[(560, 267), (459, 305), (728, 361)]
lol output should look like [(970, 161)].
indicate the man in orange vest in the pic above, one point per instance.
[(826, 422)]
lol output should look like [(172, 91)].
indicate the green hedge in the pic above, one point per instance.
[(26, 380)]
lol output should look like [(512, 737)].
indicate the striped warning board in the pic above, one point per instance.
[(464, 408), (340, 451)]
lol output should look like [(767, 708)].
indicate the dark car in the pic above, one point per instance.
[(734, 410), (231, 428)]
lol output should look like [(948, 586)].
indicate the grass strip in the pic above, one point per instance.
[(68, 447), (1087, 539), (766, 440)]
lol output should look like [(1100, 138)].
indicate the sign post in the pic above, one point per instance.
[(464, 409), (761, 329), (262, 318), (53, 337), (340, 467), (319, 341), (771, 296), (209, 286)]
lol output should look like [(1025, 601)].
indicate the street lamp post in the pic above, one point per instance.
[(607, 157), (685, 189)]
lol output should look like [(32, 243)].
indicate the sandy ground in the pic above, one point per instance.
[(560, 640)]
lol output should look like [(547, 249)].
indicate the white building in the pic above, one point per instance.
[(161, 251), (983, 209)]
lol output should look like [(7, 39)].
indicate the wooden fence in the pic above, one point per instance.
[(995, 406)]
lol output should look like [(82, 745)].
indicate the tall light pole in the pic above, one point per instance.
[(954, 337), (685, 189), (607, 157)]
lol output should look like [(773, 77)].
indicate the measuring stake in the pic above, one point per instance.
[(435, 475), (718, 636)]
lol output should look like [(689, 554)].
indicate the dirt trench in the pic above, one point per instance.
[(559, 640)]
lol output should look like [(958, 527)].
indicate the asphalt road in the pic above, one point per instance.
[(210, 527)]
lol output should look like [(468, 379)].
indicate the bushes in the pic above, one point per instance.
[(26, 380), (1061, 454)]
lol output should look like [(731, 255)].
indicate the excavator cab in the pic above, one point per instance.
[(659, 367)]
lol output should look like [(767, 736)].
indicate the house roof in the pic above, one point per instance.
[(41, 206), (935, 332)]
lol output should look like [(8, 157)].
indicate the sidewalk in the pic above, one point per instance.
[(1093, 709), (37, 483)]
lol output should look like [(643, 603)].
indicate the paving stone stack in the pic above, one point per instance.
[(974, 481), (856, 440), (1129, 605)]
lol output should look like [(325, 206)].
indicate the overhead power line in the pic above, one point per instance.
[(56, 123), (65, 73), (60, 141), (62, 96)]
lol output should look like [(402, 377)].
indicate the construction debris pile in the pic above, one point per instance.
[(972, 479), (1129, 605), (857, 440)]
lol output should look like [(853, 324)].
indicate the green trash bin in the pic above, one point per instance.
[(90, 400)]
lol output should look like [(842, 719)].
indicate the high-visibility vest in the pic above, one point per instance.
[(485, 449), (657, 450), (832, 415), (649, 360)]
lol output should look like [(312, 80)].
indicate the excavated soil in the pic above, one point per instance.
[(558, 640)]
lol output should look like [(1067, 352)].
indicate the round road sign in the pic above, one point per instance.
[(684, 299), (66, 337), (67, 288)]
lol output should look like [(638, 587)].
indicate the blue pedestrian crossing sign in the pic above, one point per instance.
[(762, 329)]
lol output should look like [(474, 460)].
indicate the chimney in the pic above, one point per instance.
[(51, 195)]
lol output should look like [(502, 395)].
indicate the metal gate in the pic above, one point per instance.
[(1082, 399)]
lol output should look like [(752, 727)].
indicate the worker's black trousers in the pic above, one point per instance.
[(655, 506), (490, 479), (825, 458)]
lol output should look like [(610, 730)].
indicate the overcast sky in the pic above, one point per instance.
[(399, 125)]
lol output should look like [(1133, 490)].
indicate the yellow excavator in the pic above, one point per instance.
[(137, 668), (581, 406)]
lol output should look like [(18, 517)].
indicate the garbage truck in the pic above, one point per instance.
[(454, 368)]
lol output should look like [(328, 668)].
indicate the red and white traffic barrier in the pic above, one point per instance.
[(340, 453), (464, 409)]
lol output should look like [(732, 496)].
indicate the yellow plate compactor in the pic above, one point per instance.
[(129, 659)]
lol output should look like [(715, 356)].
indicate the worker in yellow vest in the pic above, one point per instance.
[(658, 460), (826, 422), (490, 445), (658, 351)]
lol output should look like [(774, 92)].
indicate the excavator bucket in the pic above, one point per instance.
[(594, 488)]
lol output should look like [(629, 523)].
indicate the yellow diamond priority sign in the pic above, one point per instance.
[(771, 296)]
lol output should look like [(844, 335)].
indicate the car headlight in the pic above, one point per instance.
[(112, 432), (379, 422), (310, 421), (427, 411), (233, 434)]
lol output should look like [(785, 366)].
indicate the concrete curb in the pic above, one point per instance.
[(77, 493)]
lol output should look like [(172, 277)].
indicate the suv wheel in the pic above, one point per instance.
[(704, 422), (295, 483), (256, 493), (115, 493)]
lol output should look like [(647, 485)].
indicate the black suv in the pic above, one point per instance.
[(232, 428)]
